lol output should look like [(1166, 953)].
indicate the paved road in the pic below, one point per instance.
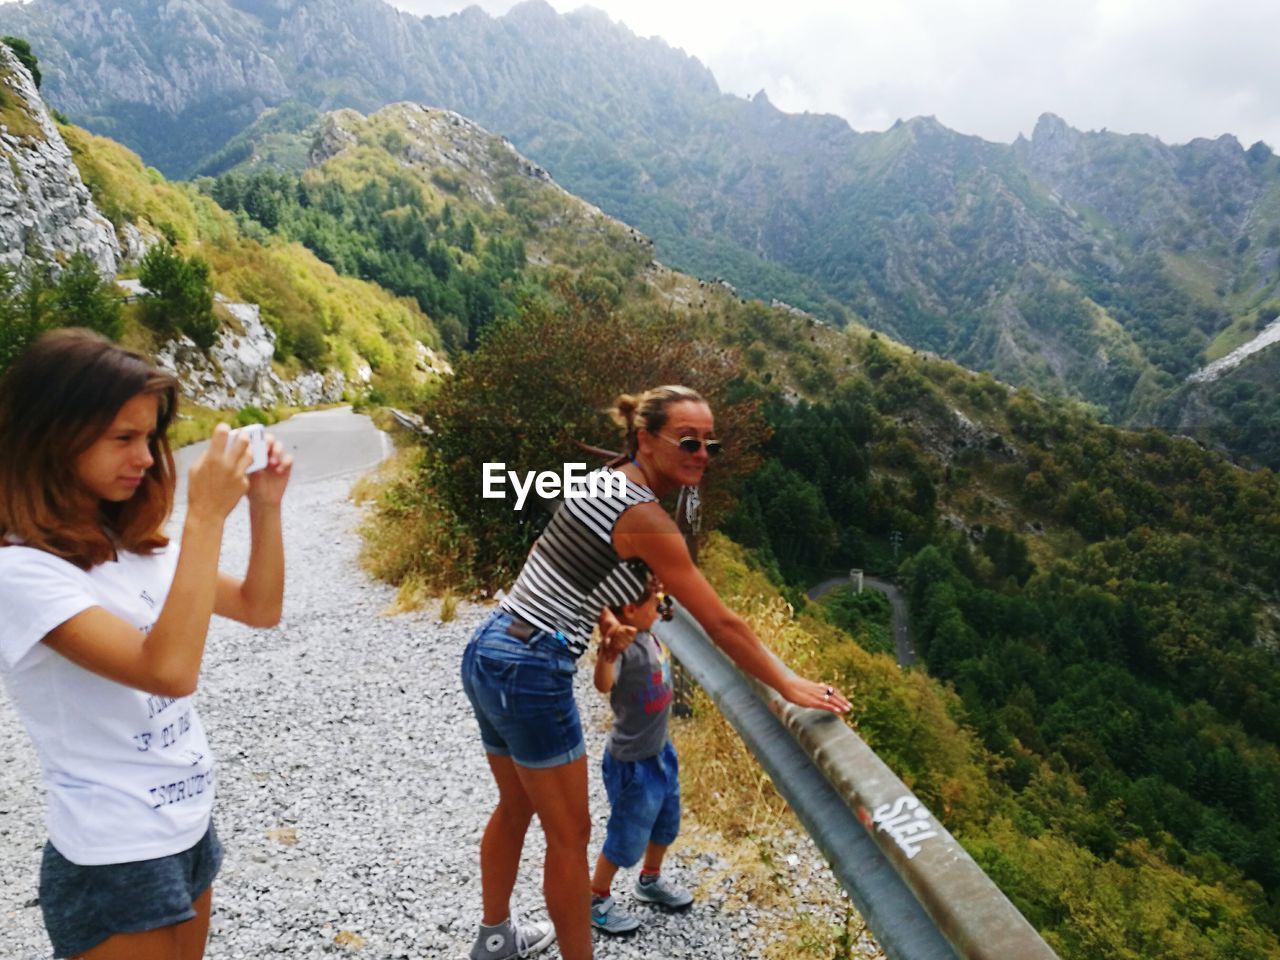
[(325, 444), (901, 637)]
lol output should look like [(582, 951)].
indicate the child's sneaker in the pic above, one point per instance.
[(662, 891), (606, 915), (511, 939)]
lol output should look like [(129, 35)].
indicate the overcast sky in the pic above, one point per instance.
[(1178, 69)]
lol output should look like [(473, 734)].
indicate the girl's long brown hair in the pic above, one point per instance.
[(55, 401)]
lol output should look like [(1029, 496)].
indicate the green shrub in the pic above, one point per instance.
[(252, 414), (83, 298), (181, 294), (22, 50)]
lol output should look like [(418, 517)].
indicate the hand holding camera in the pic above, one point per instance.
[(270, 467), (256, 434), (217, 479)]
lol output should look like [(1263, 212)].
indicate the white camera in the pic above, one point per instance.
[(257, 436)]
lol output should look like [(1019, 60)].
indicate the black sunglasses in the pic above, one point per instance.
[(693, 444)]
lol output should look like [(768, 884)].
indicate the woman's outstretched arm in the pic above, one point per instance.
[(645, 531)]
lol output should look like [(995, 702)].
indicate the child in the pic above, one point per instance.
[(103, 634), (641, 773)]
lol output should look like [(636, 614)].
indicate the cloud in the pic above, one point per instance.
[(1174, 68)]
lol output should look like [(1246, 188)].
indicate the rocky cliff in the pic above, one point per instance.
[(47, 213), (45, 208), (189, 71), (237, 370)]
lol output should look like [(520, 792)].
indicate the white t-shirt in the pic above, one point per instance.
[(129, 775)]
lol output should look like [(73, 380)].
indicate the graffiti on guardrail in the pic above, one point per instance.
[(907, 822)]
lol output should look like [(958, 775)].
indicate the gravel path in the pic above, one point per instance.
[(352, 785)]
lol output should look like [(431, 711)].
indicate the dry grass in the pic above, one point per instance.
[(734, 812), (411, 595), (800, 908), (15, 112), (720, 781), (389, 531), (349, 941), (407, 542), (448, 606), (369, 486)]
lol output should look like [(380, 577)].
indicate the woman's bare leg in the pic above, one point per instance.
[(559, 797), (503, 841)]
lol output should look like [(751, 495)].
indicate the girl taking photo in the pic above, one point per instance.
[(102, 632)]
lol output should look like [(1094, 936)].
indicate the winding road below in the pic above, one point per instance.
[(901, 637)]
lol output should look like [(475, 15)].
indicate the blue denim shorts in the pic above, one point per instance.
[(85, 905), (644, 801), (522, 695)]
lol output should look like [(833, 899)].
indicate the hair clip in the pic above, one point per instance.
[(664, 606)]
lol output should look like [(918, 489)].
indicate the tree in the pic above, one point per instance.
[(30, 303), (17, 325), (799, 531), (82, 298), (181, 294), (261, 202), (535, 385)]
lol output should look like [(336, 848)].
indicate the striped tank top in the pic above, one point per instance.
[(572, 571)]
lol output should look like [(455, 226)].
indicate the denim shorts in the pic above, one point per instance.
[(644, 801), (522, 695), (85, 905)]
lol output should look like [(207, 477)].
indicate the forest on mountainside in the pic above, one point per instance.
[(440, 260)]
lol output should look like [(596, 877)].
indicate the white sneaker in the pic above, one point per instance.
[(612, 919), (663, 892)]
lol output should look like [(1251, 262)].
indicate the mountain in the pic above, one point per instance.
[(1097, 608), (1233, 399), (1095, 266)]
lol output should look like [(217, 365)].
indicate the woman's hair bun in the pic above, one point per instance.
[(624, 410)]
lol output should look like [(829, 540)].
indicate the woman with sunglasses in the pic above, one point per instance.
[(518, 668), (103, 633)]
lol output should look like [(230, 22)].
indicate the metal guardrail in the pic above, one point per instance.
[(410, 422), (920, 892)]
